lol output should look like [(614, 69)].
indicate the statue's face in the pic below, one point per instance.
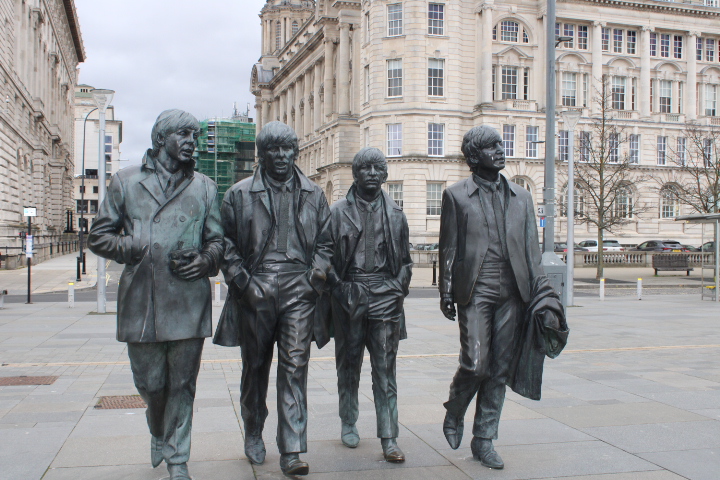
[(491, 158), (278, 160), (370, 176), (180, 145)]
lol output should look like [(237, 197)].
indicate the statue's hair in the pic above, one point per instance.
[(276, 133), (170, 121), (477, 138), (365, 156)]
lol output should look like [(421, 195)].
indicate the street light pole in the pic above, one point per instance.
[(82, 201), (102, 100), (549, 189), (570, 119)]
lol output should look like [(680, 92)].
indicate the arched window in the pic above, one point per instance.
[(278, 35), (510, 31), (669, 202), (295, 27), (623, 205), (578, 202), (524, 183)]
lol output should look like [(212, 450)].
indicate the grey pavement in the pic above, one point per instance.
[(635, 396)]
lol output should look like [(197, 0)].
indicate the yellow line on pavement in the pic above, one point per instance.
[(327, 359)]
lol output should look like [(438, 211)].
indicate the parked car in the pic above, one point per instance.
[(608, 246), (562, 247), (660, 246), (690, 248), (708, 247)]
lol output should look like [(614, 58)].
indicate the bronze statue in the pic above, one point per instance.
[(161, 219), (490, 265), (271, 223), (369, 273)]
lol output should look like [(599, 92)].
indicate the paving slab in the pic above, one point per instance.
[(703, 464)]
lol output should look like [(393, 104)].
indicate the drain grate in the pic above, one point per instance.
[(121, 401), (24, 380)]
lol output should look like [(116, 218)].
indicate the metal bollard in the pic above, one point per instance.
[(217, 294), (639, 289), (434, 282), (602, 289), (71, 295)]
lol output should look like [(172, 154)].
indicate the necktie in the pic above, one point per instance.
[(283, 220), (369, 240), (499, 212)]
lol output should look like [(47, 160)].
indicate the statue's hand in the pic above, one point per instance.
[(195, 270), (447, 307)]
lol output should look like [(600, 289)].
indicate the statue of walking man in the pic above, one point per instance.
[(161, 220), (368, 241)]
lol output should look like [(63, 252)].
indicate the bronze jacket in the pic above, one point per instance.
[(155, 305), (249, 224), (464, 239)]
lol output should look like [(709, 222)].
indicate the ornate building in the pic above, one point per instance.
[(412, 76), (40, 49)]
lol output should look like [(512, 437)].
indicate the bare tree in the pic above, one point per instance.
[(604, 172), (696, 181)]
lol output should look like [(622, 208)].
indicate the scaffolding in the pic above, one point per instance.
[(226, 150)]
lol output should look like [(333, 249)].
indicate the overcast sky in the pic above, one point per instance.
[(156, 54)]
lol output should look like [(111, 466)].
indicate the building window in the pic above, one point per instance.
[(681, 151), (669, 204), (698, 48), (585, 89), (509, 31), (522, 182), (526, 83), (619, 87), (436, 74), (582, 37), (661, 150), (395, 78), (395, 22), (631, 42), (86, 206), (617, 40), (509, 83), (564, 145), (395, 191), (624, 203), (677, 46), (709, 50), (295, 27), (436, 139), (711, 100), (634, 149), (367, 27), (569, 31), (531, 139), (708, 152), (569, 89), (633, 93), (665, 96), (82, 189), (367, 82), (653, 44), (614, 150), (664, 45), (436, 19), (394, 139), (95, 189), (434, 198), (509, 140), (278, 35), (605, 39), (585, 146)]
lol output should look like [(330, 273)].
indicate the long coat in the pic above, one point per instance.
[(464, 239), (249, 224), (339, 242), (150, 296)]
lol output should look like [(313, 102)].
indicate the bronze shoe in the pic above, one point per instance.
[(453, 429), (349, 435), (156, 455), (483, 450), (179, 472), (255, 449), (290, 464), (391, 451)]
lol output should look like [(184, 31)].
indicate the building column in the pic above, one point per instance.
[(298, 124), (691, 85), (485, 21), (328, 77), (597, 70), (644, 98), (259, 106), (317, 107), (343, 70), (289, 105), (307, 115), (265, 114)]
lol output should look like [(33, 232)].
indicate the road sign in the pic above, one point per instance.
[(30, 212), (541, 210), (542, 222), (29, 246)]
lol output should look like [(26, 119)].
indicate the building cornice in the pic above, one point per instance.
[(74, 26), (657, 5)]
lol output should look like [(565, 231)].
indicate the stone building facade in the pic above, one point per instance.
[(40, 49), (412, 76)]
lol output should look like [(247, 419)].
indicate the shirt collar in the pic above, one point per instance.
[(363, 204), (487, 185), (276, 186)]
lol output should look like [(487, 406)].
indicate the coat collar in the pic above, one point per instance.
[(258, 185), (472, 187), (152, 184)]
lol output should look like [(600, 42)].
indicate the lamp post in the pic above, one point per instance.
[(81, 258), (570, 119), (102, 100)]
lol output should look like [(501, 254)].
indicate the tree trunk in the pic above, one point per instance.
[(601, 257)]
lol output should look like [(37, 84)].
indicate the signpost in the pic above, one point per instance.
[(29, 212)]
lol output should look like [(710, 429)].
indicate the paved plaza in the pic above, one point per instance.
[(635, 396)]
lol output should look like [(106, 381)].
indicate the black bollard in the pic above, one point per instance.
[(434, 273)]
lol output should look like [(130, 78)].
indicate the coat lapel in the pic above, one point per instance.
[(152, 185), (477, 206), (392, 234), (514, 209), (258, 190)]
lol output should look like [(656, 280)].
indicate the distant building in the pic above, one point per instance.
[(40, 49), (87, 134), (412, 76), (226, 150)]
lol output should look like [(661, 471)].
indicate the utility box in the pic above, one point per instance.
[(556, 271)]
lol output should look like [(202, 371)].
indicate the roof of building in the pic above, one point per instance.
[(74, 25)]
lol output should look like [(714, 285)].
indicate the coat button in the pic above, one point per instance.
[(157, 245), (157, 220), (264, 232), (182, 219)]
